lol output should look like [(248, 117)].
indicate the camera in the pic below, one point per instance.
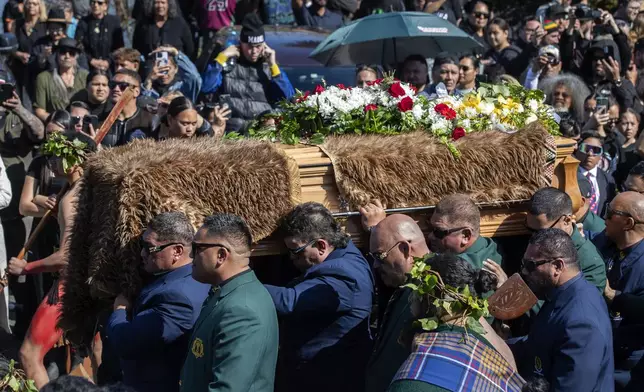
[(587, 13)]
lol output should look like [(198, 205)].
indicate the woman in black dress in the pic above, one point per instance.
[(162, 25), (30, 28), (101, 34)]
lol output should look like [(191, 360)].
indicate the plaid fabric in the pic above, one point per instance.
[(446, 360)]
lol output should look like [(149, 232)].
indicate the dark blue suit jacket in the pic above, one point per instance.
[(607, 191), (625, 275), (570, 342), (325, 323), (153, 344)]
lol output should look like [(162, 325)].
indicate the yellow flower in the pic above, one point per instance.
[(471, 100)]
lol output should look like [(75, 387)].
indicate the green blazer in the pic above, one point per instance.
[(234, 344)]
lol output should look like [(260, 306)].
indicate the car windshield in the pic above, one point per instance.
[(305, 77)]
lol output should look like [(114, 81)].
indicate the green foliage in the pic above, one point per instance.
[(72, 153), (16, 381), (448, 304)]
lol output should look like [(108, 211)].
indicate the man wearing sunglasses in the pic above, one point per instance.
[(622, 247), (152, 343), (552, 208), (325, 312), (456, 223), (570, 342), (393, 244), (235, 339), (589, 153), (133, 122)]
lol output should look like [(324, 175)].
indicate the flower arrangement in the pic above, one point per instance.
[(450, 303), (388, 107)]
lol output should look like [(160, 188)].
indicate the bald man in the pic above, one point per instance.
[(393, 244), (622, 248)]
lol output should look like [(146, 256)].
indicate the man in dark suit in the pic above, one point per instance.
[(589, 153), (622, 247), (234, 343), (152, 342), (325, 340)]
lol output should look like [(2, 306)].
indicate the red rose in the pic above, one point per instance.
[(341, 86), (318, 89), (406, 104), (375, 82), (458, 133), (396, 90), (370, 107), (303, 97), (445, 111)]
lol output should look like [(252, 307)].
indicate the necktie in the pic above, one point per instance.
[(593, 195)]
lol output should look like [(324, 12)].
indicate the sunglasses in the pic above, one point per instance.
[(481, 15), (465, 68), (381, 256), (590, 149), (55, 31), (198, 247), (611, 213), (297, 251), (92, 2), (121, 85), (532, 265), (78, 119), (440, 234), (536, 230), (152, 249)]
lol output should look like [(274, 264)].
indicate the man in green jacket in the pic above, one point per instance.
[(552, 208), (456, 226), (234, 344)]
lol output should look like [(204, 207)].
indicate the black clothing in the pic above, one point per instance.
[(122, 130), (101, 110), (467, 27), (39, 61), (513, 60), (175, 32), (100, 37), (246, 84), (11, 12), (27, 41)]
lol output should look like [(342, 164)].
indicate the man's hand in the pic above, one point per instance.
[(121, 302), (231, 51), (372, 214), (23, 57), (91, 132), (609, 293), (495, 269), (16, 266), (12, 103), (269, 55), (612, 69), (608, 20), (538, 36), (598, 119), (540, 63)]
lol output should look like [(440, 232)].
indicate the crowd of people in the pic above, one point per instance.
[(204, 321)]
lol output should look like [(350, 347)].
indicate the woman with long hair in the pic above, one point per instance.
[(180, 118), (31, 28), (163, 25), (97, 94)]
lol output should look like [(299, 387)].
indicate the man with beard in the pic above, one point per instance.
[(133, 122), (54, 88), (254, 83), (570, 341), (456, 224)]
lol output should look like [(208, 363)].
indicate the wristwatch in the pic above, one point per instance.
[(618, 82)]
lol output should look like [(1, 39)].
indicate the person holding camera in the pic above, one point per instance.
[(546, 65), (172, 71), (254, 83)]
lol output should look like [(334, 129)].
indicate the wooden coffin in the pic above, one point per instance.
[(318, 184)]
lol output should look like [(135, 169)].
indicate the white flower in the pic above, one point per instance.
[(531, 118), (470, 112), (418, 112), (533, 105), (486, 108)]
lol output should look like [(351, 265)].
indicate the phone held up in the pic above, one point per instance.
[(162, 60), (6, 91)]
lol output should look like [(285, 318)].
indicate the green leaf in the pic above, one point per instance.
[(474, 326), (317, 138), (31, 386), (428, 324), (14, 384), (411, 286)]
